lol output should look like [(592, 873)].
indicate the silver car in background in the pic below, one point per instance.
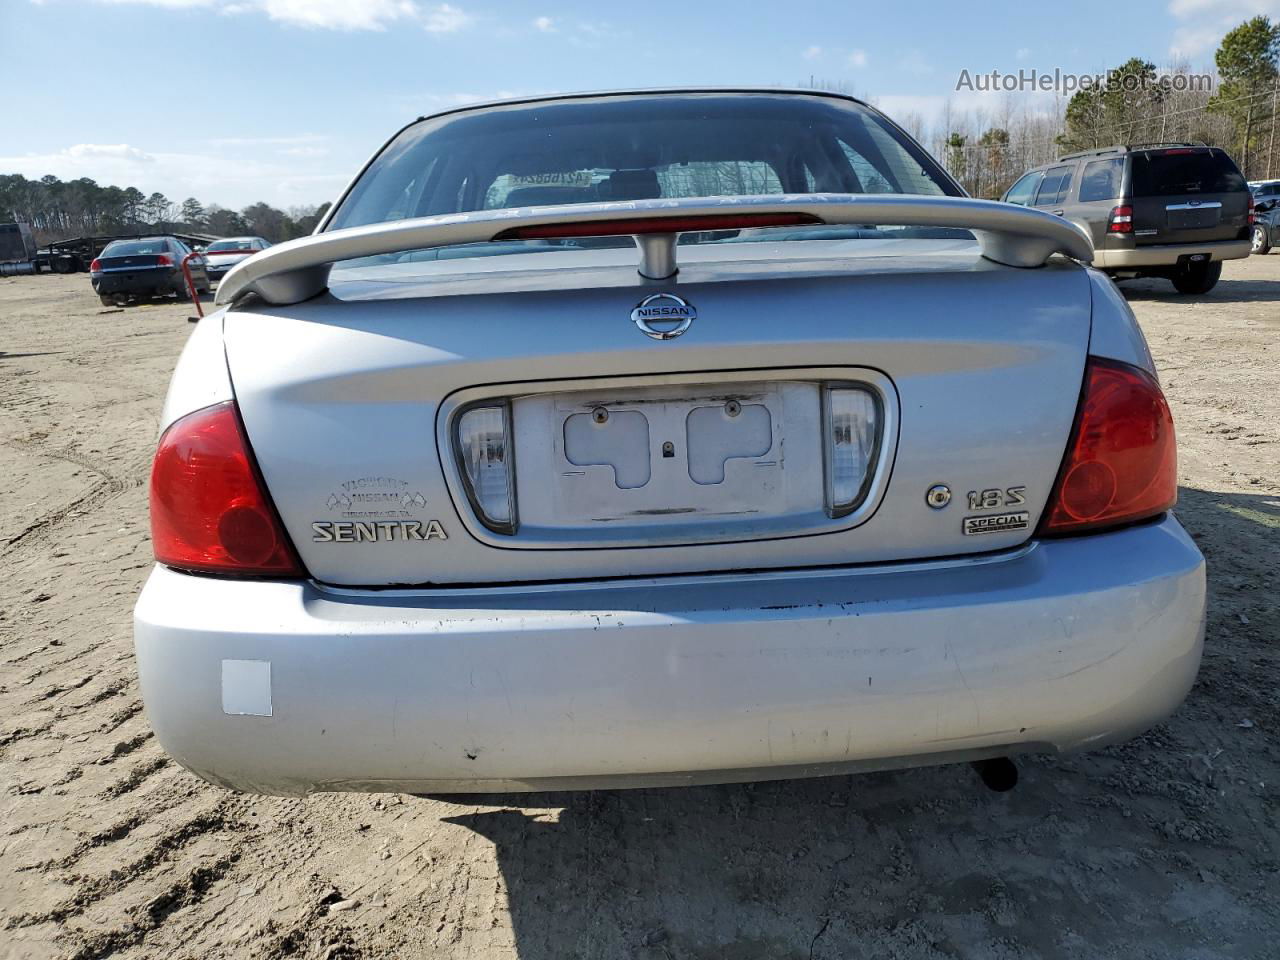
[(661, 438), (226, 253)]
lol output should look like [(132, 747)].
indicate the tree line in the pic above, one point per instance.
[(986, 151), (61, 209)]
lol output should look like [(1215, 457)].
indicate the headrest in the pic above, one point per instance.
[(544, 196), (631, 185)]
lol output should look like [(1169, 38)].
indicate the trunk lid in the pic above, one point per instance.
[(641, 456), (141, 261)]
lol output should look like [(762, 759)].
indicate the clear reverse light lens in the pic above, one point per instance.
[(484, 452), (851, 420)]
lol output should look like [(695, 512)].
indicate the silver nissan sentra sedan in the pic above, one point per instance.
[(661, 437)]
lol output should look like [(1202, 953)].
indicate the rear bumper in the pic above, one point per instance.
[(1064, 645), (217, 269), (1167, 254), (143, 280)]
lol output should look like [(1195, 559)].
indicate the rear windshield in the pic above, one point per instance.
[(135, 248), (634, 148), (1206, 171), (222, 246)]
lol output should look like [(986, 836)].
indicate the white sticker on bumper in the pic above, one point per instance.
[(246, 688)]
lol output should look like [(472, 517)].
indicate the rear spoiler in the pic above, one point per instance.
[(1006, 233)]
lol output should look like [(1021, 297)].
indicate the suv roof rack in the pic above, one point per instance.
[(1126, 147), (1118, 148), (1170, 143)]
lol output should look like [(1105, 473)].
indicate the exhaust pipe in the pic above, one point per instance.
[(999, 773)]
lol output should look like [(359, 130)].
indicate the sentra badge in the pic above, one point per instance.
[(376, 531)]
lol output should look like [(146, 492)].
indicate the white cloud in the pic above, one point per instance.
[(338, 14), (1024, 53), (234, 176), (102, 162), (591, 36), (812, 53), (900, 104), (1194, 41), (990, 103), (333, 14), (444, 18), (110, 151), (580, 33), (857, 58), (1234, 9), (1206, 22), (172, 4), (463, 98)]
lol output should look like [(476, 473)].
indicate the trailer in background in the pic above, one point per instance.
[(18, 252)]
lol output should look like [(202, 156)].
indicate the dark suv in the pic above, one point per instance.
[(1173, 210)]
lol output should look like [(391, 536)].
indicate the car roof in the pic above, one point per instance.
[(1122, 150), (644, 92)]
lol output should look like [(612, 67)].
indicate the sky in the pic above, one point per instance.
[(236, 101)]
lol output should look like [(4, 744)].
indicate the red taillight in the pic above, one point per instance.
[(621, 228), (164, 260), (1121, 220), (95, 266), (1253, 218), (209, 511), (1121, 465)]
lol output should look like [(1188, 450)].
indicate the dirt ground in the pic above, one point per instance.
[(1166, 847)]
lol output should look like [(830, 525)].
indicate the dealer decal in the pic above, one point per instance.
[(376, 531), (996, 523), (375, 498)]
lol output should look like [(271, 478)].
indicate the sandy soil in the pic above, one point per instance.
[(1166, 847)]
